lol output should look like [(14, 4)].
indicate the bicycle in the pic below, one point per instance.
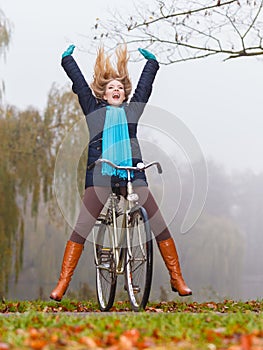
[(123, 245)]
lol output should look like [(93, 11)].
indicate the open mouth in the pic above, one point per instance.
[(116, 96)]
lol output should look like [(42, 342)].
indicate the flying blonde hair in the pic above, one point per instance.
[(104, 72)]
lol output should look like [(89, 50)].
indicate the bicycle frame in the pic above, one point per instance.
[(120, 247), (119, 239), (131, 201)]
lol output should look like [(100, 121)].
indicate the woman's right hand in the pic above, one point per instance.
[(69, 51)]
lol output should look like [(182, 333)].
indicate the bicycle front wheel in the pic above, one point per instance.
[(106, 278), (139, 260)]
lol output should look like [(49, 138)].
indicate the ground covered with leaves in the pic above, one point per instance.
[(166, 325)]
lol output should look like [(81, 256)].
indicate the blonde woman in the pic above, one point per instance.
[(112, 123)]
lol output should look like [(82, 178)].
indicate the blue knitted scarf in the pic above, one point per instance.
[(116, 145)]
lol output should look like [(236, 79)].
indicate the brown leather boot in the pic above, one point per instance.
[(170, 257), (70, 260)]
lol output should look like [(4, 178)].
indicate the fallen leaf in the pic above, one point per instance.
[(133, 335), (125, 343), (110, 339), (88, 341), (33, 333), (246, 341), (37, 344)]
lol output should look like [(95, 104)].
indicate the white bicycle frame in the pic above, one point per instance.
[(130, 203)]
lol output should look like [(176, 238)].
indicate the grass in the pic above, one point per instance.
[(179, 325), (71, 305)]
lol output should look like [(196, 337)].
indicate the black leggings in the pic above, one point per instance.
[(94, 200)]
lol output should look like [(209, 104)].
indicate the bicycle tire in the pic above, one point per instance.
[(139, 260), (106, 277)]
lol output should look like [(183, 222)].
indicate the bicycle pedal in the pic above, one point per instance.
[(104, 266), (136, 289), (105, 254), (101, 218), (104, 257)]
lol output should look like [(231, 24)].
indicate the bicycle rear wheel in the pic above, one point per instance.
[(106, 277), (139, 260)]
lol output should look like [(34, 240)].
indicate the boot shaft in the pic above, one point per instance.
[(169, 254), (70, 260)]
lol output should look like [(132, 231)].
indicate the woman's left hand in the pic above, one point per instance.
[(147, 54)]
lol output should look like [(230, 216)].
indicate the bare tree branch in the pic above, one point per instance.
[(180, 30), (254, 20), (184, 13)]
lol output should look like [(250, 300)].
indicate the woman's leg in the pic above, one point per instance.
[(157, 222), (93, 202), (164, 240)]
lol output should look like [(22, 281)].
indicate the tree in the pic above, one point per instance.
[(28, 149), (5, 35), (179, 30)]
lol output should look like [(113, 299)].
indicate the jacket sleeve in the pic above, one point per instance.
[(144, 87), (80, 87)]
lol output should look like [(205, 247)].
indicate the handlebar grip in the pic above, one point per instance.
[(160, 170)]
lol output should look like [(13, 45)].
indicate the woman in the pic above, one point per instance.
[(112, 124)]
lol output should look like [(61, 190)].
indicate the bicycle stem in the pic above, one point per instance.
[(129, 184)]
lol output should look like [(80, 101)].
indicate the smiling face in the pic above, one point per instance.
[(114, 93)]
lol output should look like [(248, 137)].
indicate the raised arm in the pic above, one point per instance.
[(80, 87), (144, 86)]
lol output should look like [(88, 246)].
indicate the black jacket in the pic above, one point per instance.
[(95, 112)]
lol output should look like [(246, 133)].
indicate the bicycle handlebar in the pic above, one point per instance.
[(141, 166)]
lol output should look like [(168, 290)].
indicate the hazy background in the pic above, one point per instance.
[(219, 102)]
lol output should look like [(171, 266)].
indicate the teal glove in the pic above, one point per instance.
[(69, 51), (146, 54)]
